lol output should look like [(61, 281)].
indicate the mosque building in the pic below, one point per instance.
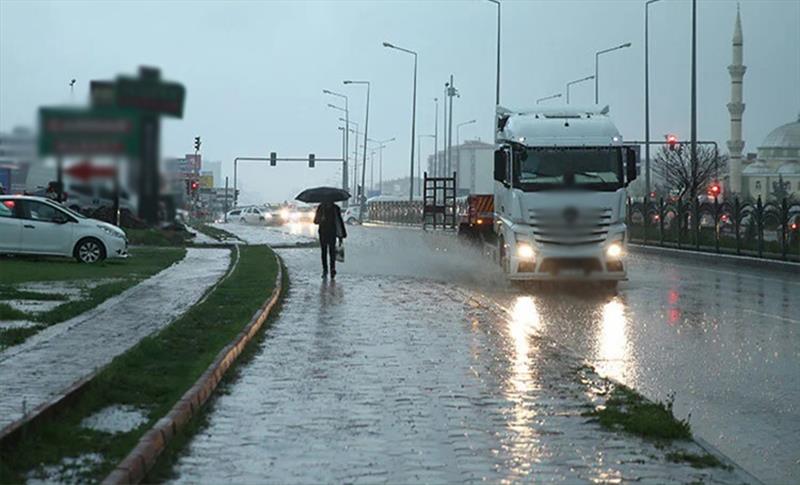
[(777, 160)]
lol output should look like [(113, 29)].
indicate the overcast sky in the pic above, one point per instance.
[(255, 70)]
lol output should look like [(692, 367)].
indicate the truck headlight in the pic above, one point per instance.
[(614, 250), (525, 251)]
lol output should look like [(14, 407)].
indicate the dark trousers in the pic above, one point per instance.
[(327, 246)]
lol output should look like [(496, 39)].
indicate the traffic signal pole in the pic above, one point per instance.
[(311, 160)]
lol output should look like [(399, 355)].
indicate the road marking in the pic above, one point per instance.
[(778, 317), (735, 273)]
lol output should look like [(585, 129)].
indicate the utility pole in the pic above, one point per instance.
[(647, 96), (435, 138), (694, 100), (451, 91)]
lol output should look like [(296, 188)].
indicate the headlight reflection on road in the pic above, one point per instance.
[(301, 228), (612, 346), (523, 442)]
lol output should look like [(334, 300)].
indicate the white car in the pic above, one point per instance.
[(255, 215), (37, 225)]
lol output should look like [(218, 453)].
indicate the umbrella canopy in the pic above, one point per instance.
[(323, 194)]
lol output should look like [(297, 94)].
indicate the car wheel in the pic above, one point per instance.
[(89, 251), (352, 221)]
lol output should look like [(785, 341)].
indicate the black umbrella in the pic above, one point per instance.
[(323, 194)]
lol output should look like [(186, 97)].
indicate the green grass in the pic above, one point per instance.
[(177, 355), (705, 460), (125, 273), (215, 232), (627, 410), (158, 237)]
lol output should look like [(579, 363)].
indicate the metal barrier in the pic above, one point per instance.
[(402, 212), (766, 230)]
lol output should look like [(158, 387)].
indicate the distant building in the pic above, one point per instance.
[(472, 161), (215, 167), (18, 158), (777, 161)]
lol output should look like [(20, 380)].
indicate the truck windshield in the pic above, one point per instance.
[(591, 168)]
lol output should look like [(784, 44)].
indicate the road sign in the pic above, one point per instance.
[(85, 170), (148, 93), (77, 131)]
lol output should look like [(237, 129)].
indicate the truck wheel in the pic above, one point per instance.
[(610, 286)]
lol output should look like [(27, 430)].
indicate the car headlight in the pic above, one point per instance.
[(267, 216), (112, 233), (614, 250), (285, 214), (525, 251)]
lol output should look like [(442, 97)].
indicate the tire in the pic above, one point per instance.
[(352, 221), (89, 251)]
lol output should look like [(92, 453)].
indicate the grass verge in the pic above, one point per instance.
[(629, 411), (696, 461), (158, 237), (121, 273), (177, 355), (216, 233)]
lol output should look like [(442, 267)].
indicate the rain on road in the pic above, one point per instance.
[(676, 327)]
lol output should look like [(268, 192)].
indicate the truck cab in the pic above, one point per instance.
[(561, 178)]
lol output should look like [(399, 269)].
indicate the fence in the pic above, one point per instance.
[(402, 212), (765, 230)]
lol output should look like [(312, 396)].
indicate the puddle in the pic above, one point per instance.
[(34, 306), (115, 419), (70, 470)]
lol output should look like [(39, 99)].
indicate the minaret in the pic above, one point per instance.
[(736, 108)]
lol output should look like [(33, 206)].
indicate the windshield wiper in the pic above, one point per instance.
[(588, 174)]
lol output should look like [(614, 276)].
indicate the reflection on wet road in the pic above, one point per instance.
[(723, 340)]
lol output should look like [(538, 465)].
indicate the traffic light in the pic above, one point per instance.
[(195, 185), (714, 189), (672, 142), (197, 143), (273, 159), (311, 160), (188, 184)]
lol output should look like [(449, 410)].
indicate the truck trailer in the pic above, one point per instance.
[(560, 189)]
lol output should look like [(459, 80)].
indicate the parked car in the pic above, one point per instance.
[(255, 215), (350, 215), (38, 225)]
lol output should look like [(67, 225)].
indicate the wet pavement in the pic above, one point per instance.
[(45, 365), (408, 369)]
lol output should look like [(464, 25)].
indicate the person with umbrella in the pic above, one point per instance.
[(329, 219)]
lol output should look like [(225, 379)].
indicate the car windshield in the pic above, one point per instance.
[(597, 168), (71, 212)]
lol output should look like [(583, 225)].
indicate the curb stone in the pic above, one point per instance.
[(134, 467)]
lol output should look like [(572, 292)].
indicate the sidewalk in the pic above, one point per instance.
[(43, 367)]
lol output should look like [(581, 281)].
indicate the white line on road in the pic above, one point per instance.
[(769, 315)]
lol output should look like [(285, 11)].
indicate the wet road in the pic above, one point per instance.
[(724, 341)]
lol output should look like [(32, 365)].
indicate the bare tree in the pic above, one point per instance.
[(678, 173)]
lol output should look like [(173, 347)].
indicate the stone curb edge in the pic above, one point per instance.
[(134, 467), (749, 261)]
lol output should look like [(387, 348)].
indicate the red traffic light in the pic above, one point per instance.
[(714, 189), (195, 185), (672, 141)]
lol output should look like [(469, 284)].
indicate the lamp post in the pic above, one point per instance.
[(546, 98), (596, 68), (587, 78), (435, 138), (694, 99), (363, 201), (381, 146), (458, 147), (413, 115), (346, 133), (497, 79), (419, 151), (354, 193)]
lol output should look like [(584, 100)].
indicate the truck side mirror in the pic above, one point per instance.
[(631, 164), (500, 161)]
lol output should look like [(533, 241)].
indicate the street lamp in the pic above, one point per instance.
[(413, 115), (587, 78), (497, 79), (458, 147), (346, 133), (363, 202), (546, 98), (354, 192), (381, 146), (596, 68), (419, 151)]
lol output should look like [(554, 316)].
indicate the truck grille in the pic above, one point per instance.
[(570, 226)]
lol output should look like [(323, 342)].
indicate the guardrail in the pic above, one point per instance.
[(752, 228), (401, 212)]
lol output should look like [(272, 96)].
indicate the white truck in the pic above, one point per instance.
[(560, 194)]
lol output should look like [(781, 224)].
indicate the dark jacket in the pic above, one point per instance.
[(329, 220)]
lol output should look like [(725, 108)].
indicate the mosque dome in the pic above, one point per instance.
[(782, 143)]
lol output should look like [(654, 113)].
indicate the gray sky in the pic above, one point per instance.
[(254, 70)]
